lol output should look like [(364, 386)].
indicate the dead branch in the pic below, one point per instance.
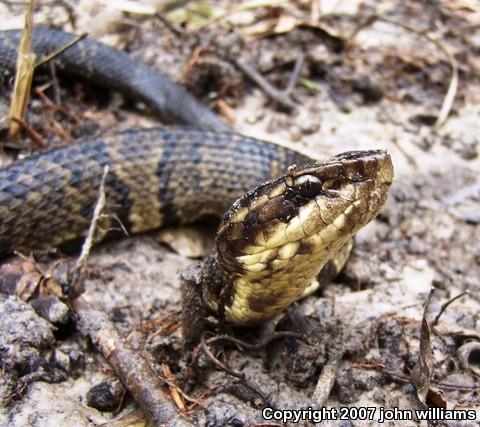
[(280, 97), (132, 369)]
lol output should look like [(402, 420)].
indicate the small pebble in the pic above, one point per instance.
[(106, 396)]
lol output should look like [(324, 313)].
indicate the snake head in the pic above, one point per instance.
[(274, 240)]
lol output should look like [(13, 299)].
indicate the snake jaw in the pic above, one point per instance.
[(274, 241)]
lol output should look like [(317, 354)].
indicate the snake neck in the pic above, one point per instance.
[(215, 284), (228, 295)]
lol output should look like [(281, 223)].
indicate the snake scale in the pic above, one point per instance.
[(290, 217)]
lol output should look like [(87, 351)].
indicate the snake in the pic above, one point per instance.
[(112, 68), (284, 217)]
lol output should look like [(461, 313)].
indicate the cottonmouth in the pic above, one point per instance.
[(273, 240)]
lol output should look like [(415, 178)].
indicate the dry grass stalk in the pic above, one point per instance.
[(24, 75)]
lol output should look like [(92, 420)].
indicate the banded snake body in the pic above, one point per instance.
[(292, 216)]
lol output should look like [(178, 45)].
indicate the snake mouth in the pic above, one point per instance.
[(274, 241)]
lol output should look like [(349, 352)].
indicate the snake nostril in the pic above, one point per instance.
[(333, 185)]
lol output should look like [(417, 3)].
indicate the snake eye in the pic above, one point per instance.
[(307, 185)]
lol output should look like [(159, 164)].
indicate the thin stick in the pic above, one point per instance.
[(220, 364), (280, 97), (230, 371), (261, 344), (408, 156), (54, 105), (292, 82), (421, 374), (58, 52), (444, 307), (38, 140), (170, 26), (82, 260)]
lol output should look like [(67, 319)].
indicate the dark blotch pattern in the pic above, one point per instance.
[(49, 197)]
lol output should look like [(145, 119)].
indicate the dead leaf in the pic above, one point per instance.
[(285, 24), (421, 374), (135, 7), (20, 277), (422, 371), (177, 398)]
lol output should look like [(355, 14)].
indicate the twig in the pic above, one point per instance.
[(38, 140), (280, 97), (407, 155), (244, 345), (292, 82), (444, 307), (173, 28), (261, 344), (132, 369), (70, 9), (54, 105), (56, 86), (82, 260), (220, 364), (194, 58), (232, 372), (58, 52), (362, 25)]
